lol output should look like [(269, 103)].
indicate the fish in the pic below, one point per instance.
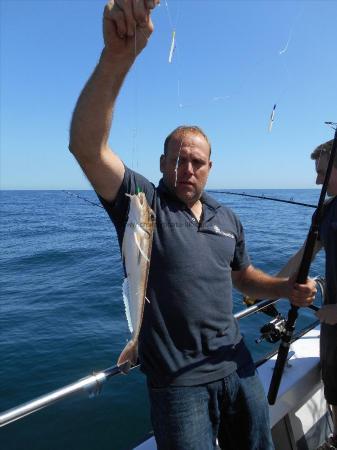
[(136, 253)]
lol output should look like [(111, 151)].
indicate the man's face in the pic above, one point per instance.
[(193, 166), (321, 166)]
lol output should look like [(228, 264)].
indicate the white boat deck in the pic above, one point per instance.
[(301, 377)]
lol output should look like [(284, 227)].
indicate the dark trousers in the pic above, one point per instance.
[(233, 409)]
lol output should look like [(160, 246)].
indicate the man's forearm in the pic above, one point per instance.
[(255, 283), (91, 122), (258, 284)]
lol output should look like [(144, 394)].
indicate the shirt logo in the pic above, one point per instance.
[(223, 233)]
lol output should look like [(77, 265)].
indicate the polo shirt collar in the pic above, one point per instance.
[(209, 201)]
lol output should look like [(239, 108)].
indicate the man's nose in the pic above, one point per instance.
[(188, 167), (319, 179)]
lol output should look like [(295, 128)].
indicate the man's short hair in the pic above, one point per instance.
[(194, 129), (324, 149)]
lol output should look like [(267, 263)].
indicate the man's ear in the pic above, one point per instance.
[(162, 162), (210, 165)]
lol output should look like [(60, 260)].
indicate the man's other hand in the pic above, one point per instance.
[(328, 314)]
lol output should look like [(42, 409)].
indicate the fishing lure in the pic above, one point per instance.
[(271, 121), (173, 46)]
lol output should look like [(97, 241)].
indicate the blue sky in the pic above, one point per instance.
[(229, 71)]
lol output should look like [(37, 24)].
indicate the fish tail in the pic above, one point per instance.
[(130, 355)]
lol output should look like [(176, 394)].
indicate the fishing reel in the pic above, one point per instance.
[(273, 330)]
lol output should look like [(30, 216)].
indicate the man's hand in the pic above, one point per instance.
[(250, 301), (328, 314), (127, 26), (301, 295)]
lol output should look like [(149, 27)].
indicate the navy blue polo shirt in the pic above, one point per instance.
[(328, 236), (189, 335)]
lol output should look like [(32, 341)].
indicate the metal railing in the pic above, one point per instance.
[(92, 384)]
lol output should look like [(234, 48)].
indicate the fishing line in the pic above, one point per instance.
[(281, 54), (175, 56), (135, 108), (225, 97), (173, 51), (287, 44), (169, 15), (290, 34), (208, 100), (134, 153)]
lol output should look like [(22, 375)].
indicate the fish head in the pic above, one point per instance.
[(140, 212), (138, 203)]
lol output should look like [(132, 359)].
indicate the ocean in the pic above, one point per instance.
[(62, 315)]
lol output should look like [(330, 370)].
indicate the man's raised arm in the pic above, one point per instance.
[(91, 122)]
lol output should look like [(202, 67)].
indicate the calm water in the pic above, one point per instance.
[(62, 314)]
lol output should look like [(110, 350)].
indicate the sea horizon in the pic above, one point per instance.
[(207, 189)]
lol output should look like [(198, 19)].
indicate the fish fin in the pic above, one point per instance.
[(129, 354), (126, 295), (147, 300), (140, 249), (141, 230)]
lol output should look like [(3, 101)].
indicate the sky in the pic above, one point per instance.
[(233, 61)]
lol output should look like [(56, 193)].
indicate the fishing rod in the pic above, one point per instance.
[(301, 278), (212, 191), (262, 197), (83, 198), (92, 384)]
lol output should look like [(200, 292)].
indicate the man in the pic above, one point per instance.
[(328, 313), (201, 378)]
